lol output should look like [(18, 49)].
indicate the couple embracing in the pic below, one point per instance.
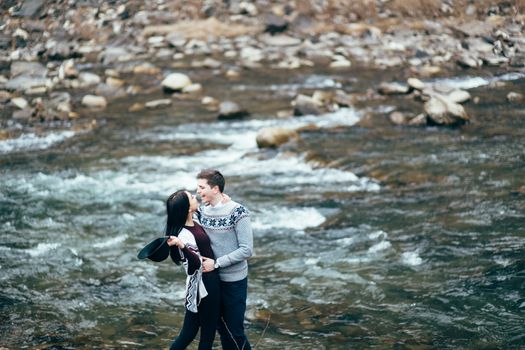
[(213, 242)]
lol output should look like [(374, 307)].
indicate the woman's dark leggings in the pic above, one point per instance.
[(206, 319)]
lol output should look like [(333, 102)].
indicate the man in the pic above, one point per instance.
[(228, 226)]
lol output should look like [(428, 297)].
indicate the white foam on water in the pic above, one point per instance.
[(286, 218), (42, 248), (411, 259), (111, 242), (378, 247), (33, 141), (474, 82)]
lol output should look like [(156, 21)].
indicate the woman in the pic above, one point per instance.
[(188, 242)]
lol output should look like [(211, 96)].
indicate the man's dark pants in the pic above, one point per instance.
[(233, 307)]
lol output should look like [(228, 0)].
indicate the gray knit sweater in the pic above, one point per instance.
[(228, 226)]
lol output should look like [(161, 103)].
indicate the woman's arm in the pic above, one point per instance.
[(185, 243)]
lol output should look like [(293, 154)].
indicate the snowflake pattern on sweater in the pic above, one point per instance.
[(225, 222)]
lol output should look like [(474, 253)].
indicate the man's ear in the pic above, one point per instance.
[(215, 189)]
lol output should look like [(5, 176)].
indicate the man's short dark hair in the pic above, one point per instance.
[(213, 178)]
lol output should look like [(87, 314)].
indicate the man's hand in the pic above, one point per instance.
[(207, 264)]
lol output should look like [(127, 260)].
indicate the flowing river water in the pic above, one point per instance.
[(367, 235)]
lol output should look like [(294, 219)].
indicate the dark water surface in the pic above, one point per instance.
[(367, 235)]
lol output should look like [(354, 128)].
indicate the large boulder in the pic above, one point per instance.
[(272, 137)]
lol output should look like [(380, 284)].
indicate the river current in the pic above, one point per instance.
[(367, 235)]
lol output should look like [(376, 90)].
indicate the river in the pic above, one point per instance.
[(367, 235)]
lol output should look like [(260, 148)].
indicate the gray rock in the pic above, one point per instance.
[(20, 102), (393, 89), (444, 112), (275, 24), (515, 97), (306, 105), (176, 82), (280, 40), (158, 103), (230, 110), (94, 101), (26, 82), (31, 9), (274, 137), (34, 69), (398, 118), (88, 79), (416, 84)]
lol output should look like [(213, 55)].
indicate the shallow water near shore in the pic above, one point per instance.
[(367, 235)]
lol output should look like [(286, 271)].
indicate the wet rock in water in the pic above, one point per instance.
[(88, 79), (28, 68), (146, 68), (229, 110), (418, 120), (114, 82), (469, 61), (416, 84), (158, 103), (306, 105), (115, 54), (27, 83), (4, 96), (31, 9), (23, 115), (279, 40), (175, 82), (192, 89), (515, 97), (398, 118), (274, 137), (136, 107), (275, 24), (340, 61), (59, 50), (494, 60), (393, 89), (459, 96), (445, 112), (67, 70), (110, 91), (251, 55), (19, 102), (59, 101), (94, 101)]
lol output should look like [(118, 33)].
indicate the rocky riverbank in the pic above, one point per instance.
[(64, 64)]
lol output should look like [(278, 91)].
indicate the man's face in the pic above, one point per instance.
[(205, 191)]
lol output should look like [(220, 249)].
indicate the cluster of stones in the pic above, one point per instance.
[(89, 50)]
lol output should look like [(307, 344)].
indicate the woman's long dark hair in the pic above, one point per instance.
[(177, 208)]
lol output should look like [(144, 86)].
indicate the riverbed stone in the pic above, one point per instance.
[(515, 97), (229, 110), (306, 105), (176, 82), (393, 88), (445, 112), (94, 101), (88, 79), (158, 103), (19, 102), (272, 137), (416, 84)]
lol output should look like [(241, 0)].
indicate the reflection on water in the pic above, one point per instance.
[(411, 239)]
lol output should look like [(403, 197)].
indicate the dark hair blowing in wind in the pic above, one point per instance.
[(177, 208)]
